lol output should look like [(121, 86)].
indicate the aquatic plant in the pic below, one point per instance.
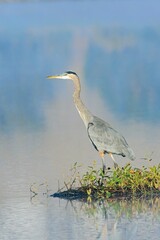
[(122, 181)]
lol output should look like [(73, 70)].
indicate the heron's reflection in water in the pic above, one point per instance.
[(121, 219)]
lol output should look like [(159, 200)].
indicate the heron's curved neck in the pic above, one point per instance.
[(83, 111)]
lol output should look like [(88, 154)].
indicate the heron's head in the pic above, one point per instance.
[(67, 75)]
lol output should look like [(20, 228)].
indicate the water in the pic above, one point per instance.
[(117, 58)]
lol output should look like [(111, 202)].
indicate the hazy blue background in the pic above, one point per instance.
[(114, 48), (120, 56)]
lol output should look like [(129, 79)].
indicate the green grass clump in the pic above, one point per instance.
[(123, 181)]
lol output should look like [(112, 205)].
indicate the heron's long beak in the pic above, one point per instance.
[(56, 76)]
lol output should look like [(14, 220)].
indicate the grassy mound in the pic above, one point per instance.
[(125, 181)]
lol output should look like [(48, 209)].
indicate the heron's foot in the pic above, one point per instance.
[(115, 165)]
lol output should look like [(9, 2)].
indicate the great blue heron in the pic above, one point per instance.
[(103, 136)]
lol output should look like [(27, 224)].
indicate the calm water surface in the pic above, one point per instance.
[(115, 50)]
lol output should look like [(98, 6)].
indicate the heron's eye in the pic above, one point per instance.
[(65, 74)]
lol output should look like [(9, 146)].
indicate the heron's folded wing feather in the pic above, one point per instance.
[(103, 136)]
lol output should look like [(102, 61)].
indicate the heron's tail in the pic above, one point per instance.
[(131, 154)]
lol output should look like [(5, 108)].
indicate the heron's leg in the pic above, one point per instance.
[(115, 164), (103, 160)]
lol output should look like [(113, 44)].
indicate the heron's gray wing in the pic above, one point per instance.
[(105, 138)]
